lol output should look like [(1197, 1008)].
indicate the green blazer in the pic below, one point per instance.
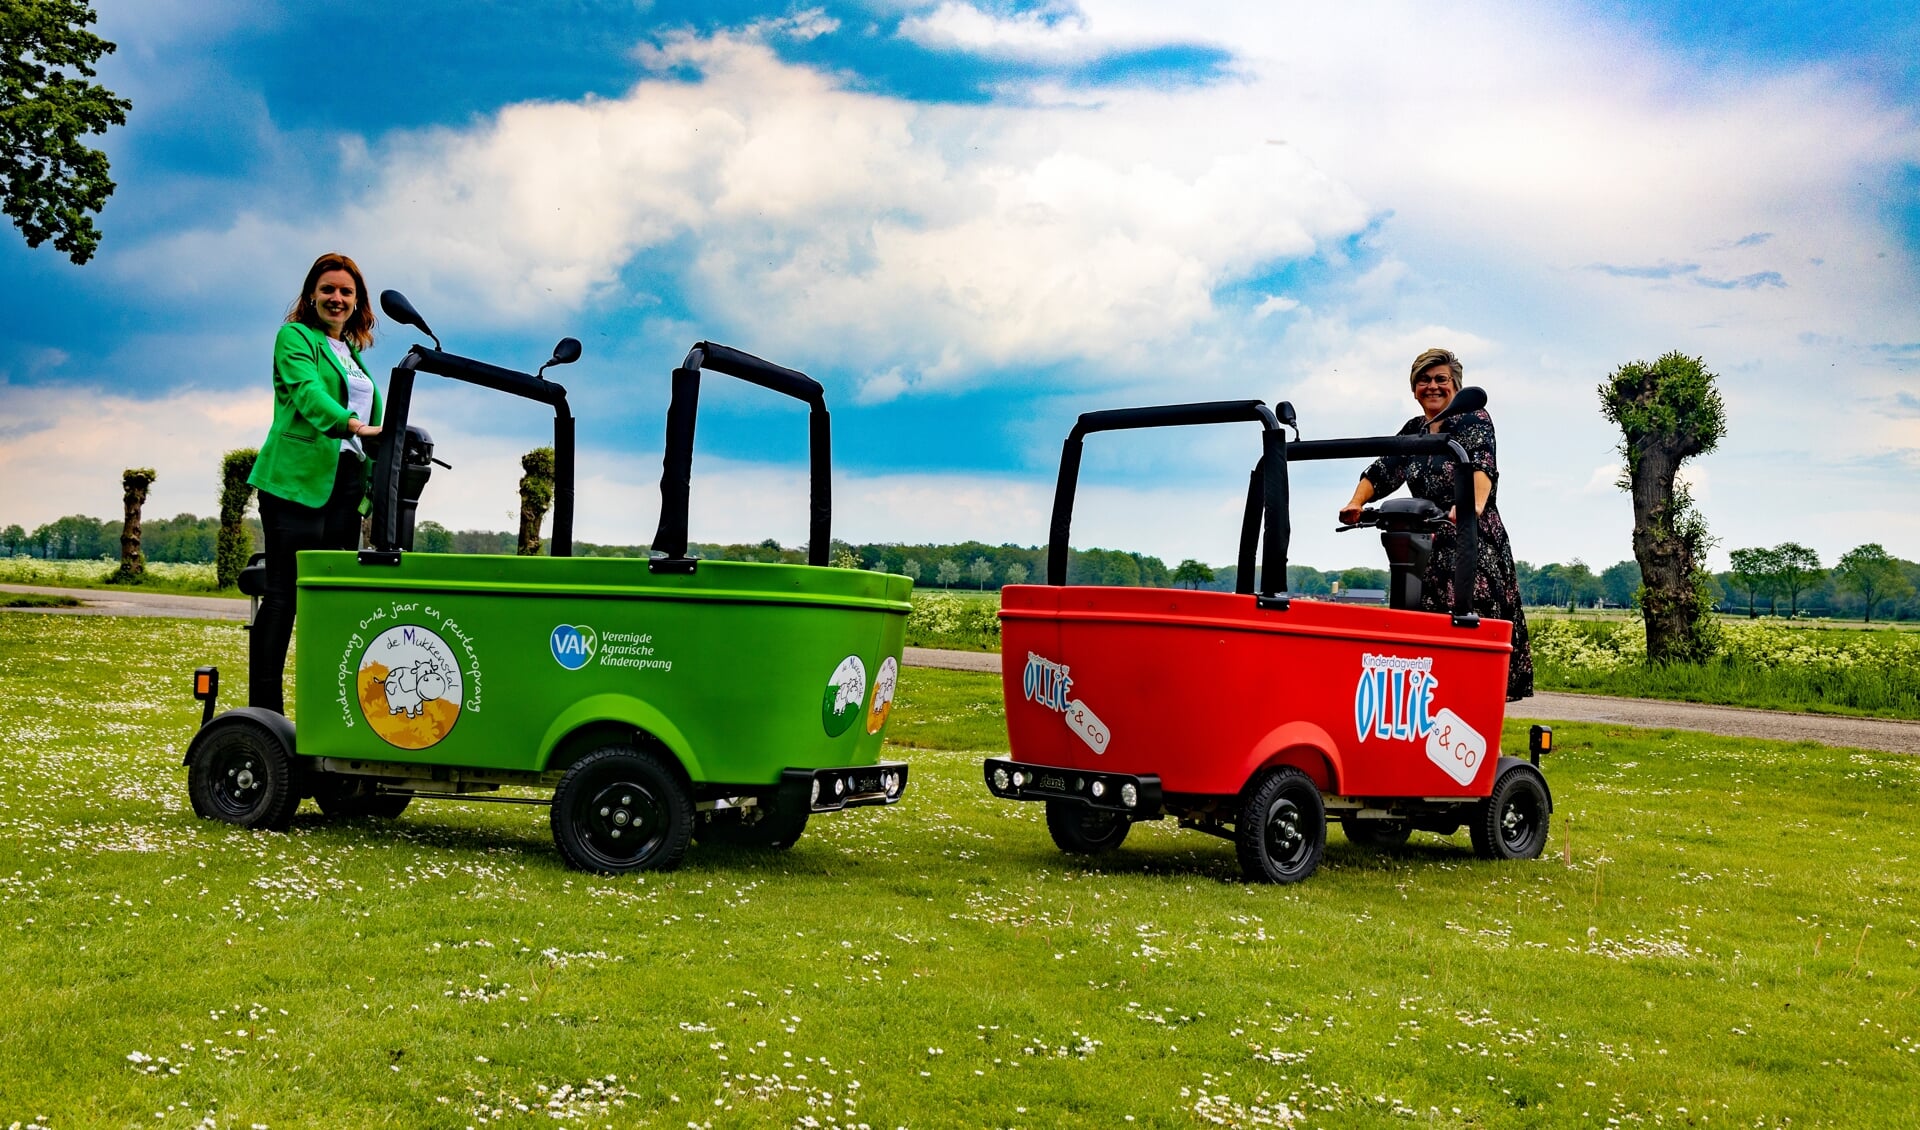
[(299, 459)]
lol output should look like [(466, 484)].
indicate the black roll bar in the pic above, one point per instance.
[(1466, 551), (1266, 487), (676, 476), (386, 464)]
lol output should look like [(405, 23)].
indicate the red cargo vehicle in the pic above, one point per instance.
[(1253, 715)]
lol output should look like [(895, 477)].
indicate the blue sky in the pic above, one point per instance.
[(974, 221)]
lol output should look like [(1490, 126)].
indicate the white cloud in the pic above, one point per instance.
[(70, 463), (1059, 36), (944, 240)]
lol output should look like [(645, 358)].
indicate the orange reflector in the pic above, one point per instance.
[(202, 683)]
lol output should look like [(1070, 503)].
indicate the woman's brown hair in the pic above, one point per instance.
[(1434, 357), (358, 331)]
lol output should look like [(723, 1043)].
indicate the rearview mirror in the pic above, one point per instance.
[(395, 306), (565, 353)]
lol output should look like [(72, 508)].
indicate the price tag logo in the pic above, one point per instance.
[(1083, 721), (1457, 748)]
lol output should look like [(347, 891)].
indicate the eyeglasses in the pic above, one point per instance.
[(1424, 379)]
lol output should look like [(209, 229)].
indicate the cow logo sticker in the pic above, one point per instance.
[(573, 645), (883, 683), (1051, 685), (846, 695), (410, 686)]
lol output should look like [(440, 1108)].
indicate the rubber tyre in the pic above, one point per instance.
[(1376, 834), (1079, 829), (768, 824), (345, 798), (620, 809), (242, 775), (1282, 830), (1512, 822)]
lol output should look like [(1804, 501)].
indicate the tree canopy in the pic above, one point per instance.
[(49, 178), (1872, 572)]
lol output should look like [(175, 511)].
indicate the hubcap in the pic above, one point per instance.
[(1286, 841), (1516, 823), (238, 781), (623, 822)]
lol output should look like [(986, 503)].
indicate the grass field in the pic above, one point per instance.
[(1722, 933)]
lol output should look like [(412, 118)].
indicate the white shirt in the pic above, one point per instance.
[(359, 393)]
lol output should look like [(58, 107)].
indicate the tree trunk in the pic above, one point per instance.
[(1666, 561), (234, 545), (536, 494), (135, 482)]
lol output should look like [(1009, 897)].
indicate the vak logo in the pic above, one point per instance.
[(884, 682), (410, 686), (1051, 685), (846, 694), (1394, 699), (573, 645)]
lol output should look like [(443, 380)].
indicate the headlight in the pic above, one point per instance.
[(1099, 789), (816, 790), (1129, 795), (839, 787), (1019, 779), (1000, 779)]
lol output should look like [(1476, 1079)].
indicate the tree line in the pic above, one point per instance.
[(182, 538), (1785, 580)]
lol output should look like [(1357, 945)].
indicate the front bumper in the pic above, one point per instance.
[(1108, 792), (830, 790)]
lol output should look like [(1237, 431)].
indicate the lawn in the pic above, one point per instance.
[(1723, 933)]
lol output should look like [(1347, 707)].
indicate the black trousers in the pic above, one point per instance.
[(290, 528)]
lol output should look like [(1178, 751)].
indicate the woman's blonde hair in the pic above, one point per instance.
[(358, 331), (1434, 357)]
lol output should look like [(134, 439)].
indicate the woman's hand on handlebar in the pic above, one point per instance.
[(1350, 514)]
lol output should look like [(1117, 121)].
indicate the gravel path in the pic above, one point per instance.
[(1893, 735), (1776, 725), (105, 602)]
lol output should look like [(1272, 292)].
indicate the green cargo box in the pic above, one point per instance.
[(741, 670), (648, 701)]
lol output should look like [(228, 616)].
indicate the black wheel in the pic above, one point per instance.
[(1282, 829), (620, 809), (1082, 830), (243, 775), (1512, 822), (766, 824), (346, 798), (1378, 835)]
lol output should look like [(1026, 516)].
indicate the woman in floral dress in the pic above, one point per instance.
[(1496, 588)]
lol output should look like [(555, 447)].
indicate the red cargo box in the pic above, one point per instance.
[(1204, 689), (1251, 715)]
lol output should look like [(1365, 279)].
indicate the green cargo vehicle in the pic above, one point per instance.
[(651, 701)]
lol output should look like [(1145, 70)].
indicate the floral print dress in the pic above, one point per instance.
[(1496, 587)]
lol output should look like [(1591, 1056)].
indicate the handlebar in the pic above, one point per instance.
[(1374, 518)]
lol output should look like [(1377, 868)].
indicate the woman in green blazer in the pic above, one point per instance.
[(312, 470)]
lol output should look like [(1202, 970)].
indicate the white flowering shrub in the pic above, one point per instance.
[(24, 570), (940, 619), (1759, 663)]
